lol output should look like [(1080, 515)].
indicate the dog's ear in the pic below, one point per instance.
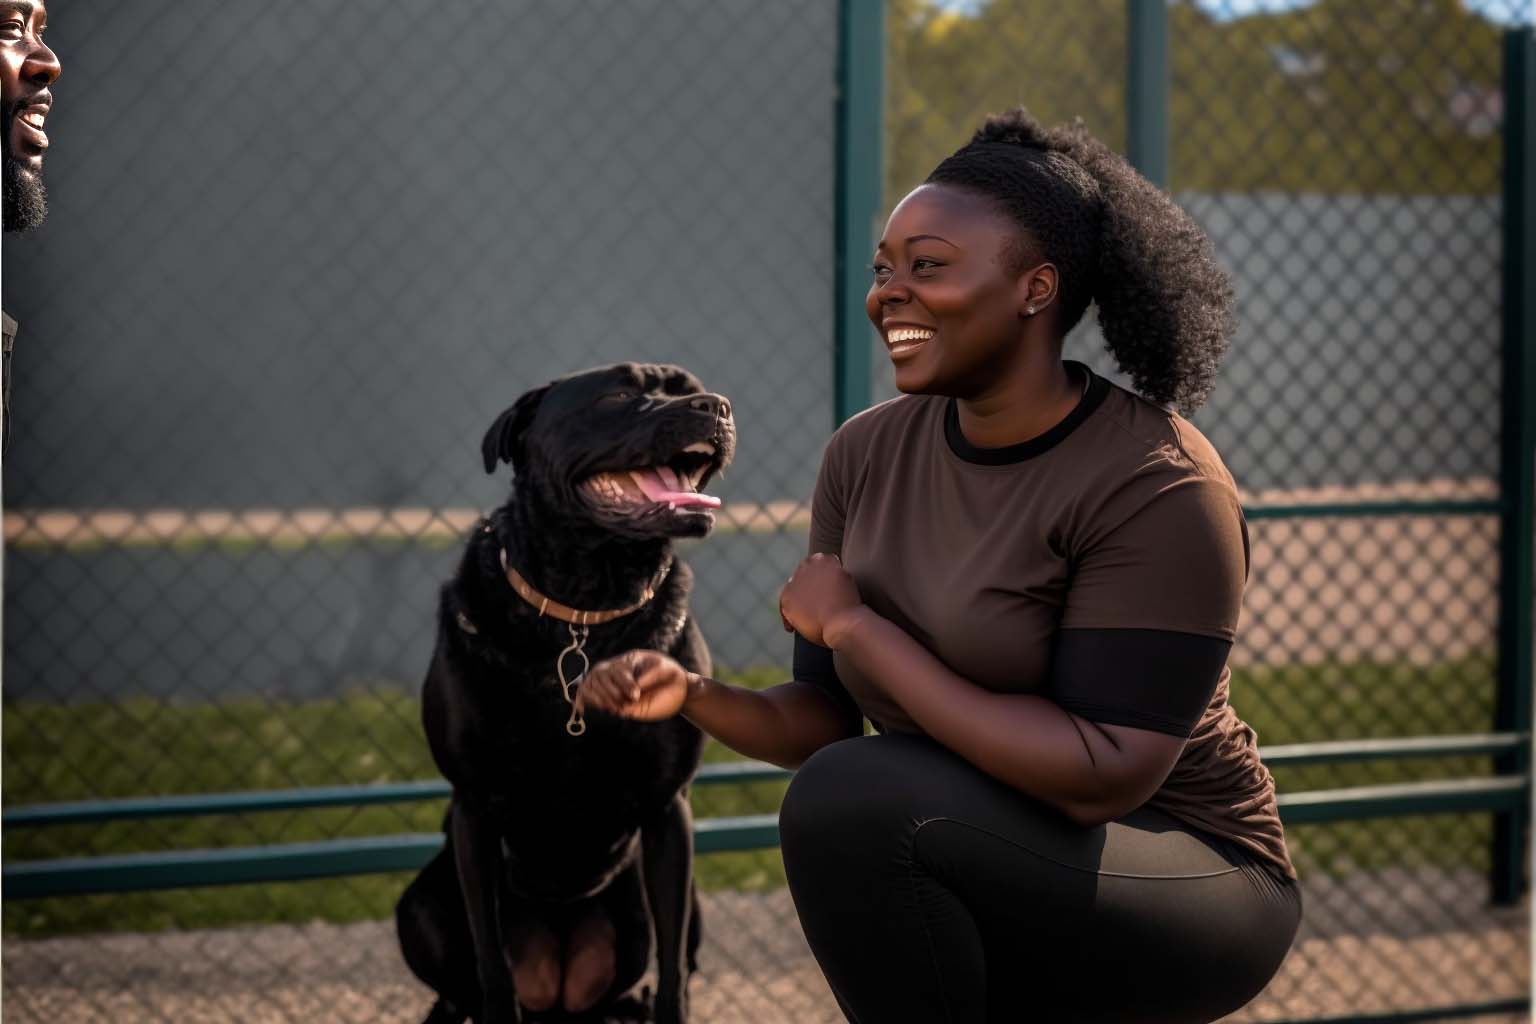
[(504, 441)]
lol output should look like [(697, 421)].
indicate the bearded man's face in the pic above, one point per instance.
[(27, 68)]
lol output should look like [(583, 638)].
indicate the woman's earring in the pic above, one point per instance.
[(1030, 310)]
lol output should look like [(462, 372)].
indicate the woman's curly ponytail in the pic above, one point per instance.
[(1165, 306)]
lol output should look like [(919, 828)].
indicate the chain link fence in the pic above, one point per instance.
[(301, 254)]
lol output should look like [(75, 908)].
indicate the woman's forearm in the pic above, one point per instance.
[(1025, 740), (782, 725)]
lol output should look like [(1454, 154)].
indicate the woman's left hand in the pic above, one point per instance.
[(819, 590)]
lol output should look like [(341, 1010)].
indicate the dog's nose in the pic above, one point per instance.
[(715, 404)]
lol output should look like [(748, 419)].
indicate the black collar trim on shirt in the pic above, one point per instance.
[(1098, 388)]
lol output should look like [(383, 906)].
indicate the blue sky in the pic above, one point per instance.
[(1510, 11), (1496, 10)]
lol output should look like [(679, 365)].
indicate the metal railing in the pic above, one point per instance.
[(365, 855)]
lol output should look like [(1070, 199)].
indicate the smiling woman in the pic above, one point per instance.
[(1028, 579)]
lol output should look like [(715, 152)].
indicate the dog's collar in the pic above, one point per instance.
[(576, 616)]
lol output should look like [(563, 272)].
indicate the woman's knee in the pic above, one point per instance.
[(825, 789), (854, 790), (813, 794)]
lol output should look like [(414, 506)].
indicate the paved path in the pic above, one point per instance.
[(1394, 940)]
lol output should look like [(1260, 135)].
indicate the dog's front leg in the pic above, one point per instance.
[(667, 849), (477, 856)]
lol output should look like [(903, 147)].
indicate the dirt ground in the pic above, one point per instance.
[(1387, 942)]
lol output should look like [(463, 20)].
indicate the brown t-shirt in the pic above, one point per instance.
[(1121, 517)]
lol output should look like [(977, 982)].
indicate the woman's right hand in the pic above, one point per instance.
[(645, 685)]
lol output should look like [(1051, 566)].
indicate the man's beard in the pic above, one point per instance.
[(26, 200)]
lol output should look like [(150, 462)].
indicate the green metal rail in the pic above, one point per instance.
[(289, 862), (203, 804), (373, 854), (1429, 1014), (1362, 509), (200, 804), (177, 869)]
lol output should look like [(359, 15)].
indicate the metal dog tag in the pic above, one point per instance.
[(576, 724)]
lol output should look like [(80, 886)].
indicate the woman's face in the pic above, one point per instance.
[(942, 296)]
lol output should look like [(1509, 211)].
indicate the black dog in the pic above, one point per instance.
[(569, 838)]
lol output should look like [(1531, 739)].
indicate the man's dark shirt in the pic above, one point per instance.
[(5, 380)]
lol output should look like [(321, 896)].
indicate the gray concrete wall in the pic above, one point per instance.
[(307, 258)]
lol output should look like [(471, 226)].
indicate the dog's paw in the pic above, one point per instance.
[(500, 1007)]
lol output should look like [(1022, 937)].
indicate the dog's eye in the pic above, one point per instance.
[(618, 396)]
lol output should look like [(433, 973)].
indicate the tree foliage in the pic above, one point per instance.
[(1338, 96)]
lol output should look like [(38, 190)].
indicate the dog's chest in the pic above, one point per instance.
[(525, 755), (497, 716), (609, 787)]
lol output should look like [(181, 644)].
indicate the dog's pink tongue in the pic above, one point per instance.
[(657, 490)]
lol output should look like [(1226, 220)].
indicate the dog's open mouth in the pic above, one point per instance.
[(674, 483)]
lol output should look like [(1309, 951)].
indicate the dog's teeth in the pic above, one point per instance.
[(605, 486)]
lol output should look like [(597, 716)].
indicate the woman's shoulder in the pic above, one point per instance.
[(883, 422), (869, 438), (1139, 437)]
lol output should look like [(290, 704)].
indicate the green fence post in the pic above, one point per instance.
[(1146, 88), (860, 162), (1517, 457)]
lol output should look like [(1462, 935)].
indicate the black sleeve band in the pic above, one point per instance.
[(1145, 678), (813, 665)]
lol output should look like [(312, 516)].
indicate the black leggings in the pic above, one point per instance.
[(932, 893)]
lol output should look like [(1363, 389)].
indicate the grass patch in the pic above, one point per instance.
[(56, 752)]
